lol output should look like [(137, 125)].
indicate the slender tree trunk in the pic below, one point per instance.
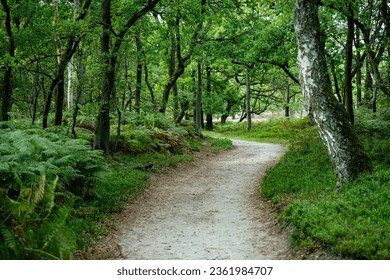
[(348, 66), (61, 83), (150, 86), (128, 86), (139, 72), (287, 108), (182, 61), (172, 64), (368, 88), (79, 88), (345, 150), (71, 48), (69, 93), (336, 82), (386, 19), (198, 116), (76, 7), (7, 79), (248, 101), (358, 70), (209, 115)]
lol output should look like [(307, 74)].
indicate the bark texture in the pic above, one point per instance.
[(344, 147), (102, 133), (7, 80)]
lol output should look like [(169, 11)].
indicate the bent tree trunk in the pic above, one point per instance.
[(345, 150)]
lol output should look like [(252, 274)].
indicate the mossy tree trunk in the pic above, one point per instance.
[(344, 147)]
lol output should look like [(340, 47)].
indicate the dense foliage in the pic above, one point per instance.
[(41, 175)]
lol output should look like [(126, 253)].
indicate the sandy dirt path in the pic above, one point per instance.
[(207, 209)]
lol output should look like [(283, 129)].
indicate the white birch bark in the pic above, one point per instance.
[(345, 150)]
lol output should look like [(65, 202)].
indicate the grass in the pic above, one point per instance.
[(353, 223), (218, 144), (273, 131)]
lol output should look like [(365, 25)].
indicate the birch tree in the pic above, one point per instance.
[(344, 147)]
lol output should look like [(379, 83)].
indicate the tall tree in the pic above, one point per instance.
[(7, 80), (198, 110), (102, 133), (61, 82), (138, 71), (345, 150), (110, 58), (248, 99), (182, 60), (71, 47), (209, 116), (348, 64)]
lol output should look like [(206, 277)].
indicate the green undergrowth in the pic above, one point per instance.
[(42, 174), (352, 223), (274, 130), (57, 194), (220, 144)]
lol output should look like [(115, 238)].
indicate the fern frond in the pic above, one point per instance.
[(38, 192), (49, 195), (9, 238)]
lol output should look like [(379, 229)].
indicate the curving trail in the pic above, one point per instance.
[(207, 209)]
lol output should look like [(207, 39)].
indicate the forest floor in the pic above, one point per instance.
[(206, 209)]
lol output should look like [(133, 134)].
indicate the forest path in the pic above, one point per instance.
[(206, 209)]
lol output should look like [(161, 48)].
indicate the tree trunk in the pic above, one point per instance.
[(128, 87), (287, 107), (109, 57), (71, 48), (248, 101), (386, 19), (150, 87), (368, 87), (7, 79), (182, 61), (69, 93), (336, 81), (348, 65), (139, 72), (172, 64), (345, 150), (79, 88), (60, 99), (61, 84), (102, 133), (76, 7), (209, 115), (198, 115), (358, 70)]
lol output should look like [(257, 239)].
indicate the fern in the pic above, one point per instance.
[(38, 169), (9, 239)]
